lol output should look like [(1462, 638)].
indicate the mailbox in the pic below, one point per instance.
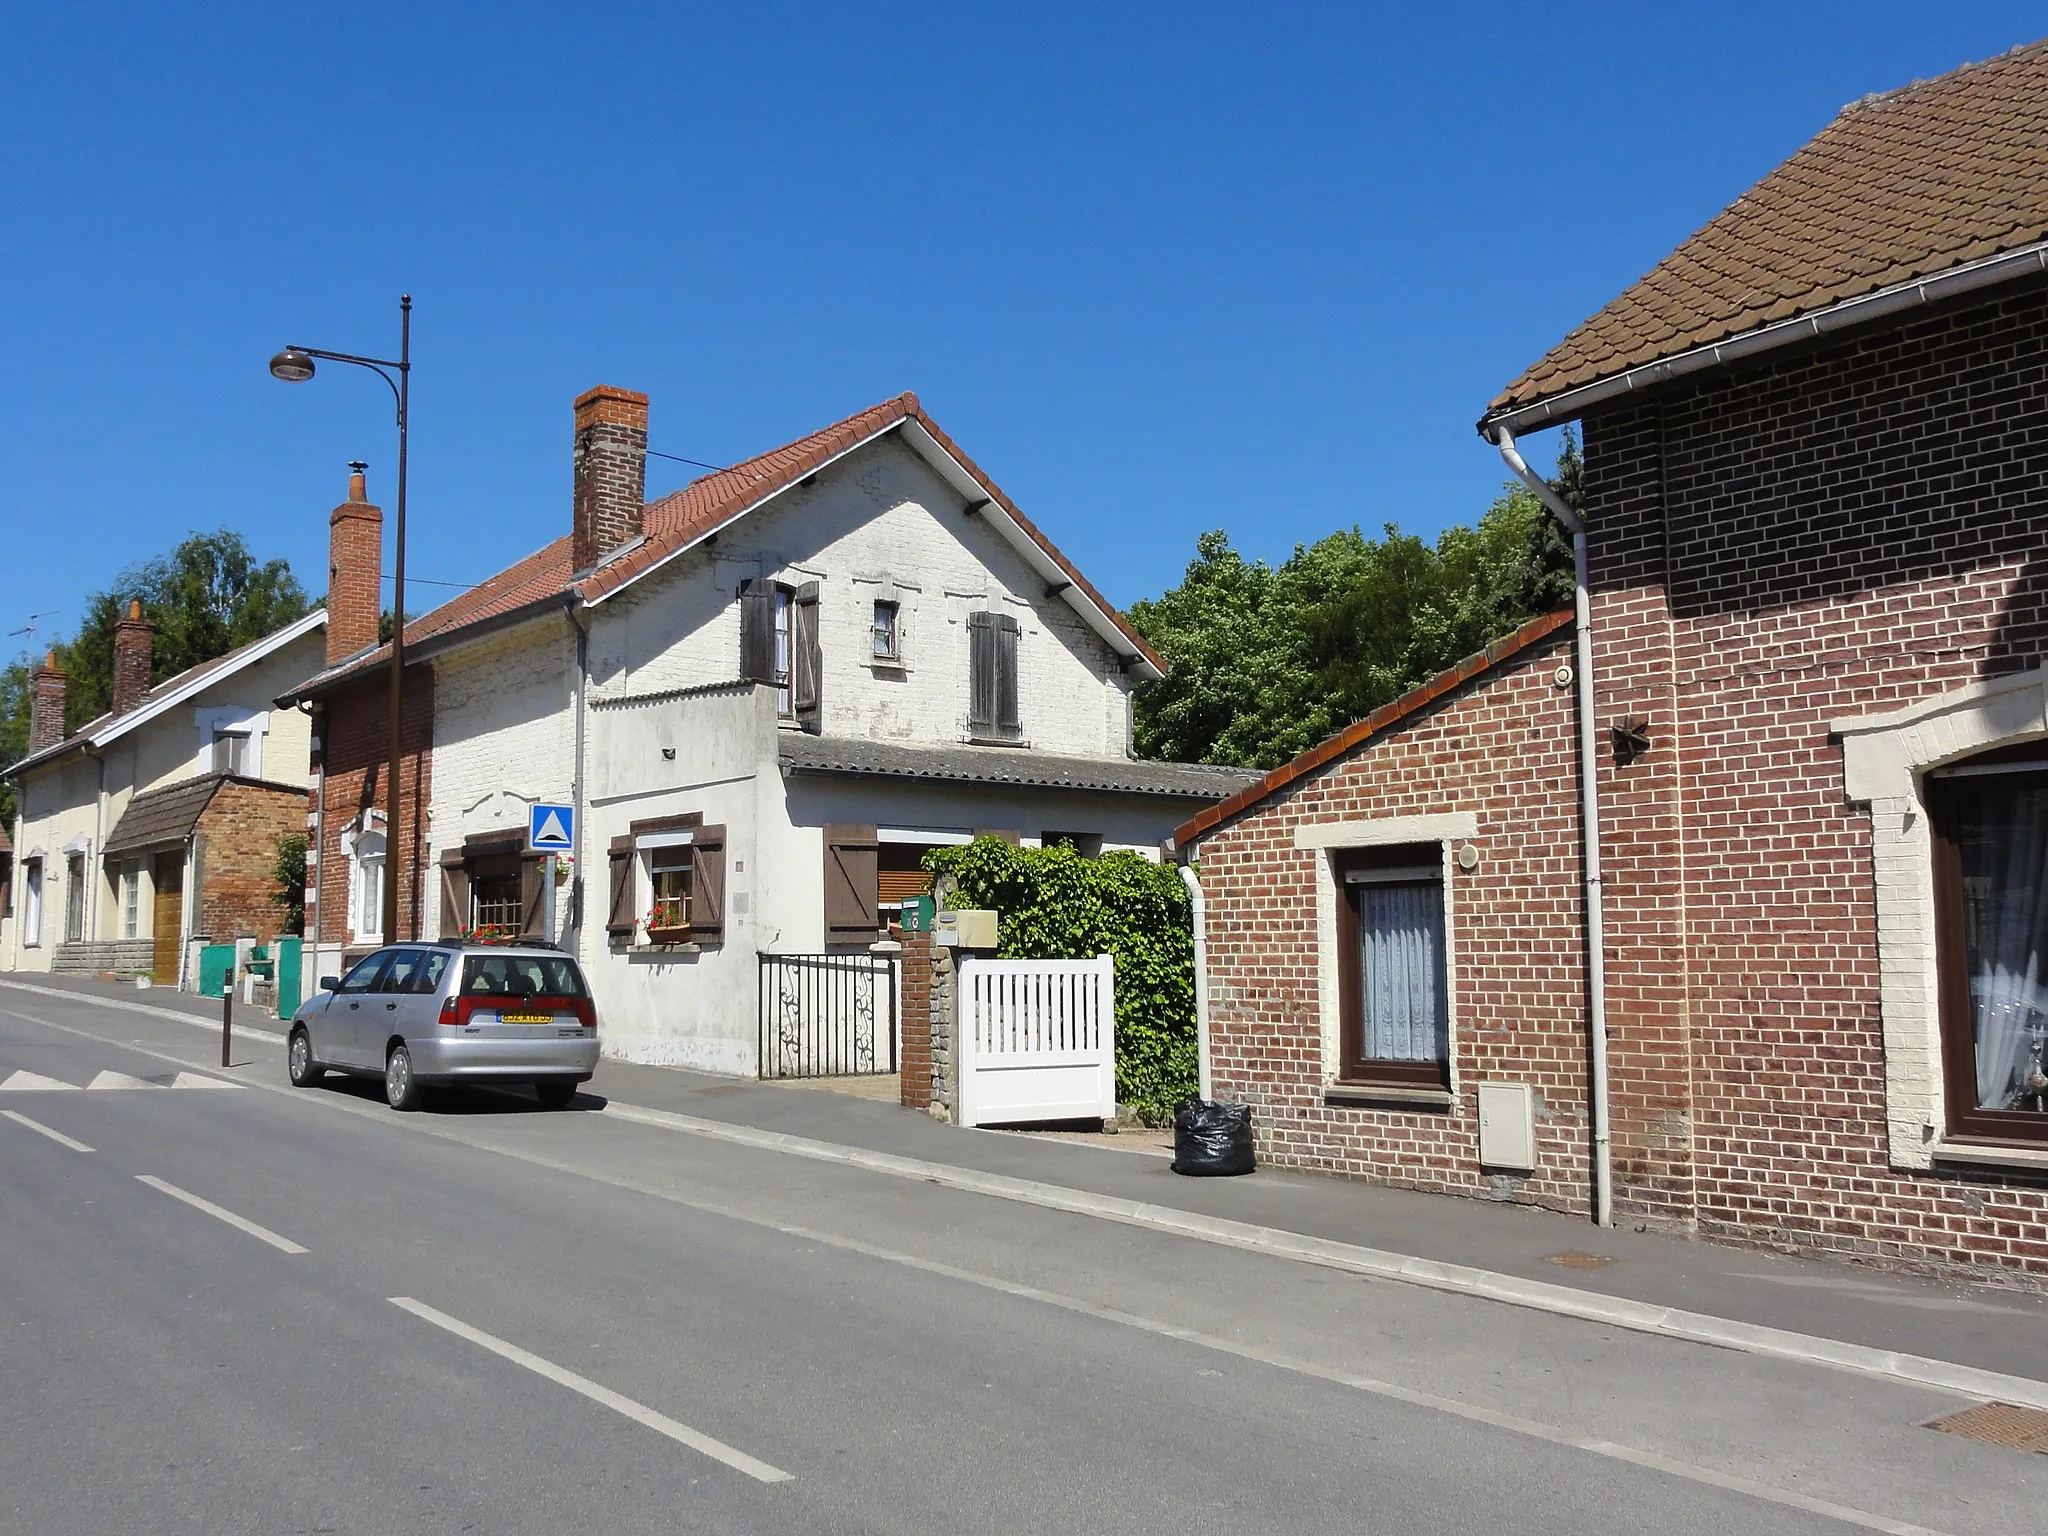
[(966, 928)]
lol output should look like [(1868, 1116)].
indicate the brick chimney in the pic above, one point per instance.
[(46, 705), (611, 472), (355, 553), (134, 638)]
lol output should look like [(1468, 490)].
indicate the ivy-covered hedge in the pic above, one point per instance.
[(1057, 905)]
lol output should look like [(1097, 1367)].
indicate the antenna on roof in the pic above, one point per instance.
[(29, 629)]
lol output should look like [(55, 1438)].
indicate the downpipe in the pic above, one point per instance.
[(1589, 818), (1201, 925)]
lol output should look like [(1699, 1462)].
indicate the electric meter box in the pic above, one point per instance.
[(1507, 1126)]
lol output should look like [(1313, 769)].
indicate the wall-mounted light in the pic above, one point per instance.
[(1468, 857)]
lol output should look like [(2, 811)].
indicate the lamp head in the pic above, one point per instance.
[(291, 365)]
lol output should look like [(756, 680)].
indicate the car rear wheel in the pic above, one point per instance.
[(554, 1095), (401, 1089), (304, 1069)]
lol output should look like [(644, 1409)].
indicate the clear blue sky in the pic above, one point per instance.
[(1158, 269)]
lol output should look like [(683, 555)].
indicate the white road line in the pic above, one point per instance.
[(660, 1423), (56, 1136), (283, 1244), (119, 1082)]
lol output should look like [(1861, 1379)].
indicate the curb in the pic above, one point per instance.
[(267, 1026), (1381, 1264)]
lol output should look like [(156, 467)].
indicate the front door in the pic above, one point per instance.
[(167, 912)]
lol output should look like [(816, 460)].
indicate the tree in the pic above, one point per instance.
[(14, 697), (289, 871), (206, 597), (1264, 661)]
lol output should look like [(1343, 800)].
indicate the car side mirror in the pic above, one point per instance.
[(330, 983)]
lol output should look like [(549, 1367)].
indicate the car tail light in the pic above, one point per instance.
[(586, 1012), (456, 1011)]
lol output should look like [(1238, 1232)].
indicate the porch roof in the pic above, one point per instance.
[(168, 815), (1008, 766)]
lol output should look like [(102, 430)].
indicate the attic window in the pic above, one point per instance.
[(231, 752)]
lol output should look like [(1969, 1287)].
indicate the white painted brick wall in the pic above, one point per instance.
[(504, 737), (879, 523)]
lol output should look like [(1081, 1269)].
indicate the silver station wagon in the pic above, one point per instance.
[(419, 1015)]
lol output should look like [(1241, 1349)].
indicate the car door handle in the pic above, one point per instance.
[(352, 1007), (391, 1005)]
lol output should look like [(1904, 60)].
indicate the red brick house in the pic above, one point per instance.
[(1815, 599)]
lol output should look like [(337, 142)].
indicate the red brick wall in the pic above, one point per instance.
[(1848, 530), (354, 728), (914, 1011), (238, 890), (1504, 749)]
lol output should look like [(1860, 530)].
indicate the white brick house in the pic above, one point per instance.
[(767, 694)]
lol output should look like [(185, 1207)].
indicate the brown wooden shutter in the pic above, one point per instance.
[(454, 894), (757, 632), (707, 887), (1007, 723), (619, 914), (852, 884), (981, 673), (533, 897), (807, 660)]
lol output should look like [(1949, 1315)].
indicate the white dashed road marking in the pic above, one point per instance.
[(34, 1082), (264, 1234), (639, 1413), (35, 1125)]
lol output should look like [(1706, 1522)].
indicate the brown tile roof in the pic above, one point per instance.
[(1359, 732), (682, 517), (1899, 186), (196, 673)]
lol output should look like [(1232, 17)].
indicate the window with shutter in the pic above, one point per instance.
[(852, 884), (807, 661), (533, 892), (757, 632), (707, 893), (992, 677), (454, 894), (619, 914)]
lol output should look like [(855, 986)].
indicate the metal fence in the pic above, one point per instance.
[(828, 1015)]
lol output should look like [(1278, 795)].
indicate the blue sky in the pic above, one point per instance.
[(1159, 269)]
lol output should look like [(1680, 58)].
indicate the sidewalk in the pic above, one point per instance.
[(1980, 1325)]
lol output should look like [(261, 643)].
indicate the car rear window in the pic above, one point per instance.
[(521, 976)]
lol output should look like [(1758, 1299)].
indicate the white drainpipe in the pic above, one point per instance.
[(1589, 817), (1187, 873)]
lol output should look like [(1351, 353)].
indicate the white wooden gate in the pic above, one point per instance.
[(1037, 1040)]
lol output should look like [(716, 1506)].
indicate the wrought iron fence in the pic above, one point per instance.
[(828, 1015)]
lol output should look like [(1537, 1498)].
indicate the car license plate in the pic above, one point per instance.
[(525, 1018)]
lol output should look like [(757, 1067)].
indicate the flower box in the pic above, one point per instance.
[(675, 935)]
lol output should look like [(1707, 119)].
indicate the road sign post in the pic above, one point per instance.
[(550, 832)]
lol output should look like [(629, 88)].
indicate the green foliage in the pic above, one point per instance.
[(1057, 905), (206, 597), (289, 871), (1264, 662)]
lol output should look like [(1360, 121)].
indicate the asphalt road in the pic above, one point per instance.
[(250, 1308)]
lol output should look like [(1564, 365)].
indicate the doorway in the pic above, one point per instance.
[(167, 911)]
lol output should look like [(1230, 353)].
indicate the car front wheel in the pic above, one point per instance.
[(304, 1069), (401, 1088)]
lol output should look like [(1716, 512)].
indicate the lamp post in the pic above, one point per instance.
[(294, 365)]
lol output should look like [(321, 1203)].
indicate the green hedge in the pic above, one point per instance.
[(1057, 905)]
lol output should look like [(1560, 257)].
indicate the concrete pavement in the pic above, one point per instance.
[(911, 1355)]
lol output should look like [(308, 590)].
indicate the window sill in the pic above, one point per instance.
[(1386, 1096), (658, 949), (1981, 1154), (972, 740), (887, 664)]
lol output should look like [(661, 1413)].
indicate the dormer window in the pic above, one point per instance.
[(887, 638), (231, 752)]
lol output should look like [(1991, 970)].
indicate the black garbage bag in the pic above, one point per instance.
[(1211, 1138)]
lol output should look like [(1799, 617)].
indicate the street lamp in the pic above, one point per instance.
[(294, 365)]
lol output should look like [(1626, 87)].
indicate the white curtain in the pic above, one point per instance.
[(1402, 972), (2004, 848)]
